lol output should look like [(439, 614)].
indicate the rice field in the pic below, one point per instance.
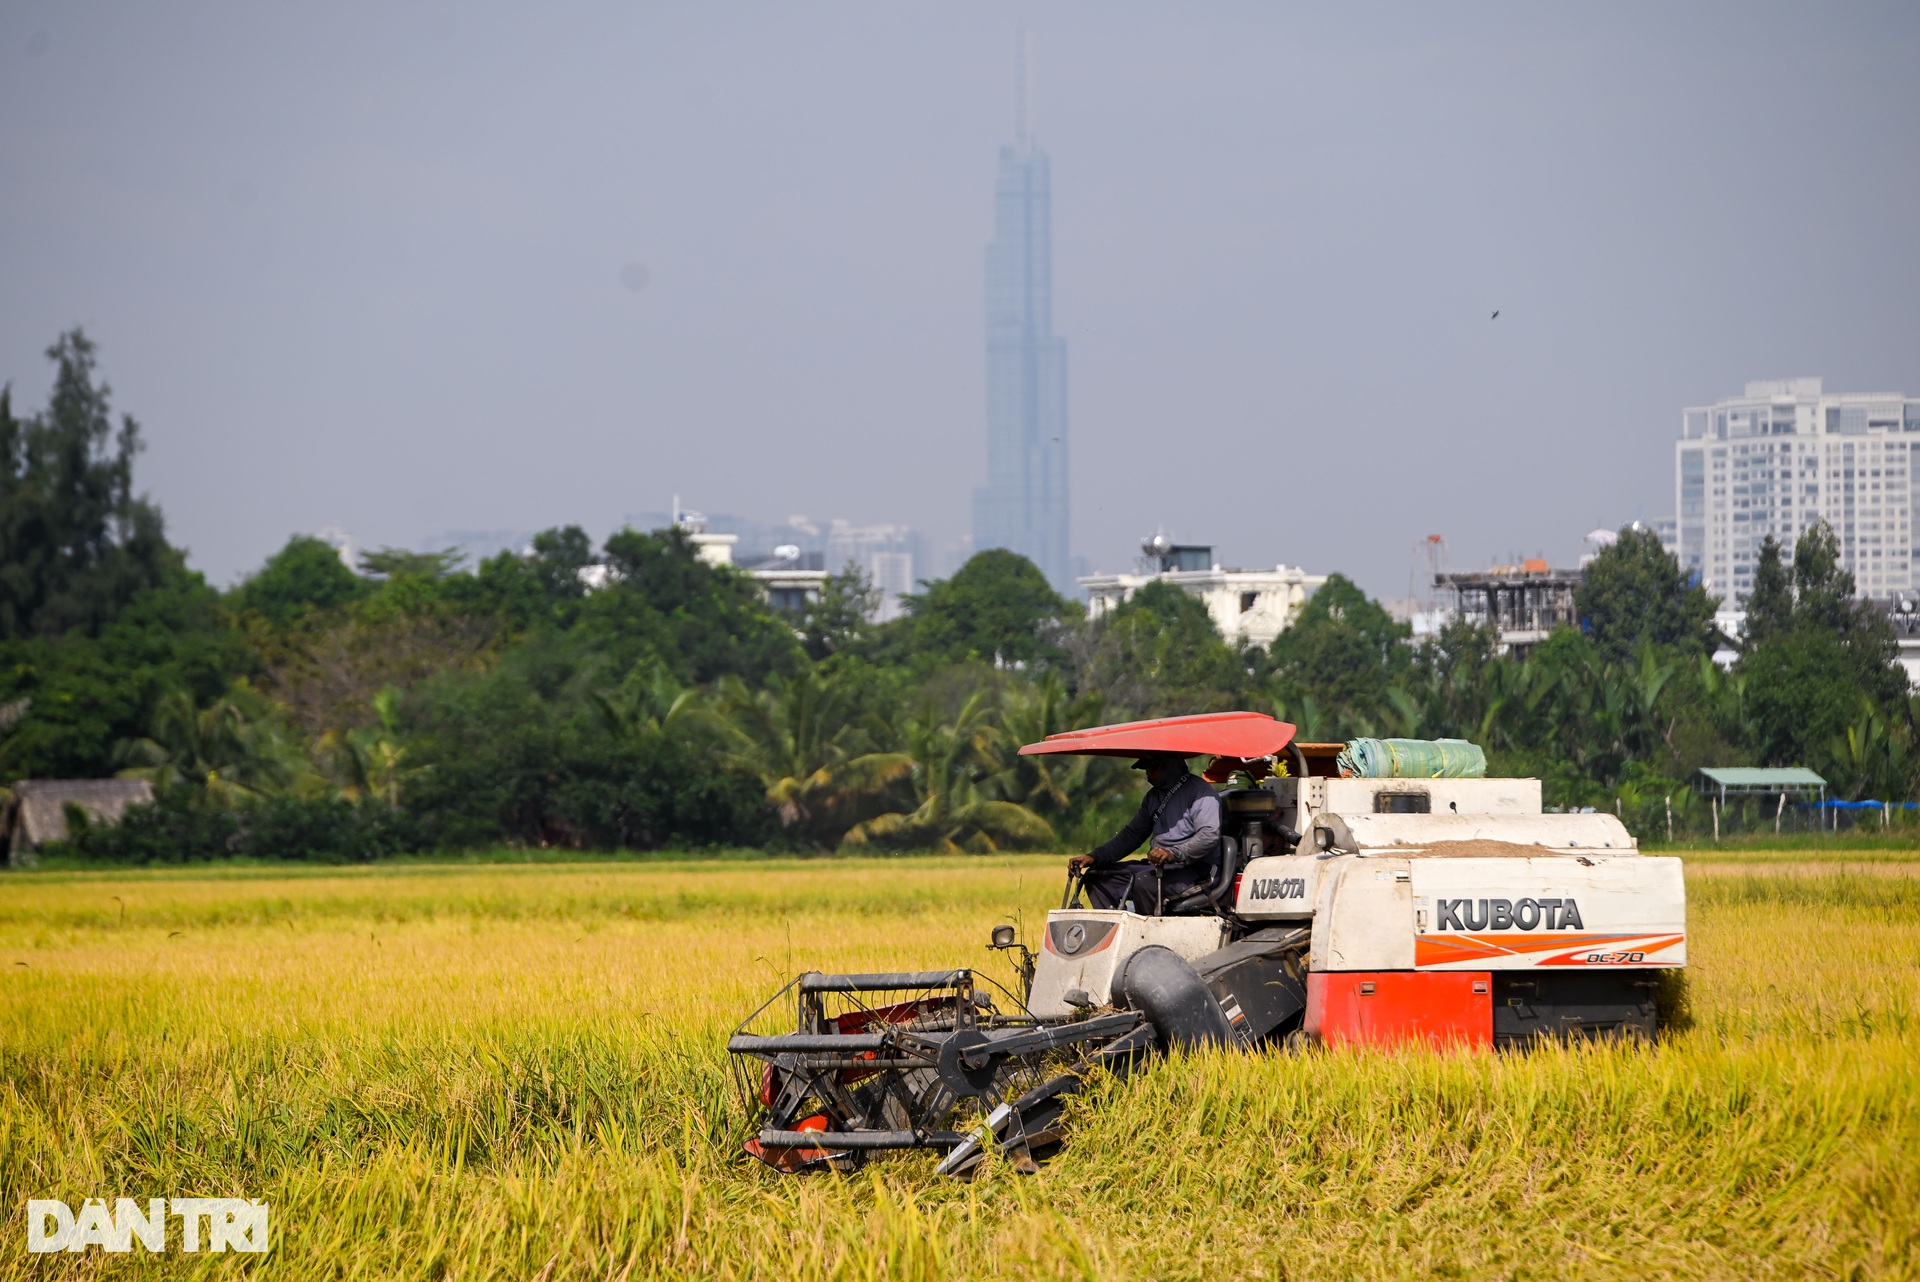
[(516, 1072)]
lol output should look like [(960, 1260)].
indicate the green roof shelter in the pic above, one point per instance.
[(1727, 782), (1731, 783)]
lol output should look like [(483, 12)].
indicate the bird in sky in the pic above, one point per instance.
[(1496, 314)]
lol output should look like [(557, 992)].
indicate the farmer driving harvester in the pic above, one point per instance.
[(1431, 905), (1181, 816)]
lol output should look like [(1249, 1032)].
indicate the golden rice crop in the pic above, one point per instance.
[(498, 1071)]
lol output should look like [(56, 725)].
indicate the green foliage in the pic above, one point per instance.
[(526, 751), (1800, 695), (998, 609), (521, 593), (954, 803), (89, 693), (230, 752), (703, 621), (1822, 590), (1345, 653), (812, 746), (837, 622), (302, 578), (1770, 607), (395, 563), (1084, 798), (1822, 683), (369, 763), (76, 545), (1634, 593), (179, 828), (1159, 654)]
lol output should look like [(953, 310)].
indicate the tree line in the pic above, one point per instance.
[(411, 702)]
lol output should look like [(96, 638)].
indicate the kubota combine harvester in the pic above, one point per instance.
[(1352, 904)]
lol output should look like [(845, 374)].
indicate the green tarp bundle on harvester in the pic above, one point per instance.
[(1412, 759)]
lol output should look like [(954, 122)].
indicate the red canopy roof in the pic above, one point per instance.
[(1217, 734)]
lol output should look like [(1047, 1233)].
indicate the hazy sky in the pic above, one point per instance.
[(373, 266)]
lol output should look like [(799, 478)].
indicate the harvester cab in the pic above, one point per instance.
[(1380, 892)]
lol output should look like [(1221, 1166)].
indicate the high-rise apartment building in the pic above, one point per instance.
[(1786, 455), (884, 553), (1023, 505)]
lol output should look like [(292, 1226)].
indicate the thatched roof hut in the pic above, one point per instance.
[(38, 812)]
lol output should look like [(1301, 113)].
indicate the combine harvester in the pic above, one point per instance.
[(1377, 893)]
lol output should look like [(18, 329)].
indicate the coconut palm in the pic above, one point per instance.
[(650, 704), (1054, 786), (231, 751), (955, 805), (1311, 723), (803, 738)]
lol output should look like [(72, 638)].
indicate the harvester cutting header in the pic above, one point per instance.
[(1377, 892)]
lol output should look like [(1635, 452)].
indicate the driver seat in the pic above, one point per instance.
[(1216, 897)]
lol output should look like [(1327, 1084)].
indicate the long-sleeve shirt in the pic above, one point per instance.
[(1183, 819)]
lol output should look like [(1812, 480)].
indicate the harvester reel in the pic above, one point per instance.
[(925, 1066)]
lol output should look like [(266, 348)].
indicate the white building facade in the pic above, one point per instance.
[(1786, 455), (790, 579), (1249, 607)]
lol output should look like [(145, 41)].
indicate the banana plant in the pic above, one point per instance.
[(370, 763)]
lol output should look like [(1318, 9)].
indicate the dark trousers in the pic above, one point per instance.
[(1112, 886)]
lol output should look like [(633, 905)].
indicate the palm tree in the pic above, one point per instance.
[(955, 806), (1872, 759), (1063, 787), (802, 738), (650, 704), (231, 751), (370, 762), (1312, 724)]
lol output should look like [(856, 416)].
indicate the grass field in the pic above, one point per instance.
[(516, 1072)]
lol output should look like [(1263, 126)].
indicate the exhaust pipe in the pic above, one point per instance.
[(1158, 982)]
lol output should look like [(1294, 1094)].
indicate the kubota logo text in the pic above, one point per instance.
[(206, 1223), (1504, 914)]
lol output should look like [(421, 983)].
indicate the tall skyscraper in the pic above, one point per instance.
[(1788, 454), (1023, 505)]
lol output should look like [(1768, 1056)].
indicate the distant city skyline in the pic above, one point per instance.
[(1023, 506), (342, 279)]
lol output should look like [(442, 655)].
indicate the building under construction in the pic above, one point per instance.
[(1521, 603)]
